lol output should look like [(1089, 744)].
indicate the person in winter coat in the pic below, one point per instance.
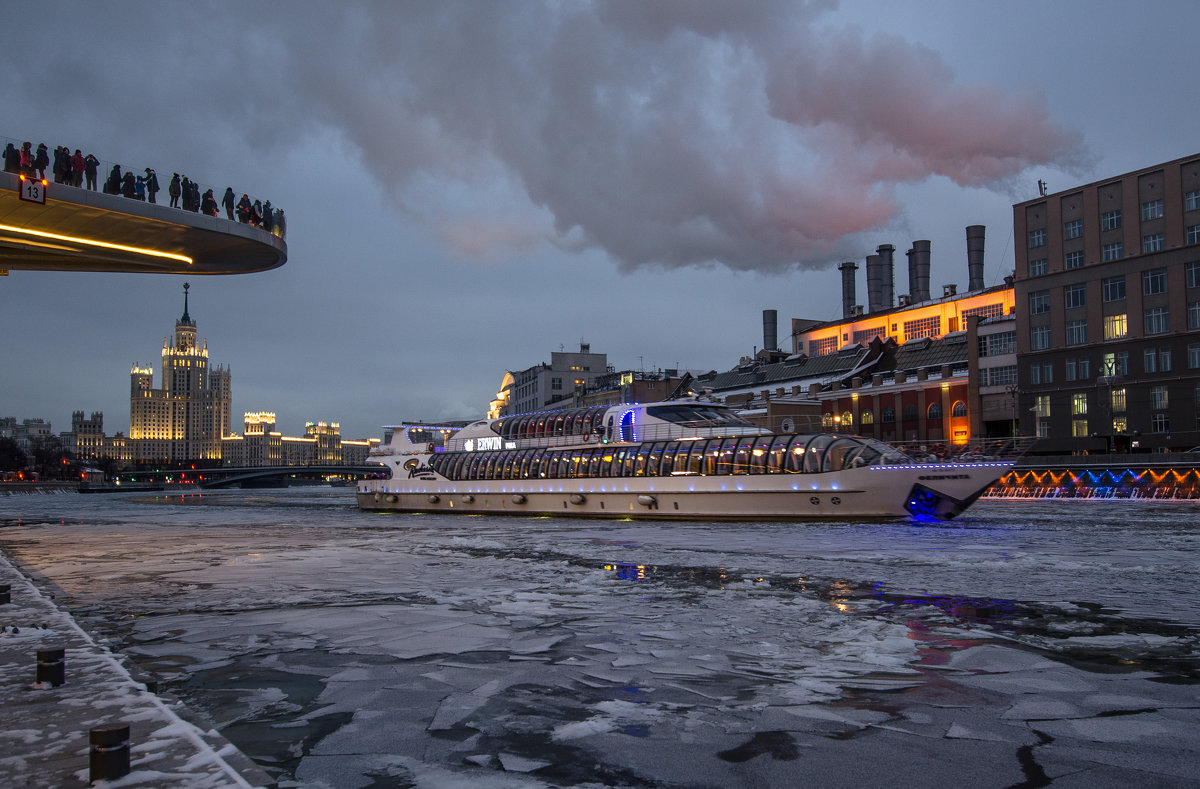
[(208, 205), (227, 200), (41, 161), (151, 184), (12, 159), (129, 186), (60, 165), (90, 166), (268, 218), (78, 167), (174, 190), (113, 185), (27, 159), (243, 209)]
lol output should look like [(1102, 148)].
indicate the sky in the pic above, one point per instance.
[(471, 186)]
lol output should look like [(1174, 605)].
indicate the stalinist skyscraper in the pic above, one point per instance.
[(185, 420)]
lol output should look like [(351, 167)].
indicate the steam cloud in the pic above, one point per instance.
[(669, 133)]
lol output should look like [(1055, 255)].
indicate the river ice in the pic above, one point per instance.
[(1025, 644)]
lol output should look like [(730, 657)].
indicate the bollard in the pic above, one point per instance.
[(5, 594), (51, 666), (109, 757)]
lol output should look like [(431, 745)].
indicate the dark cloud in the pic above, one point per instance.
[(757, 136)]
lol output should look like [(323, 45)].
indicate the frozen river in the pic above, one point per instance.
[(1025, 644)]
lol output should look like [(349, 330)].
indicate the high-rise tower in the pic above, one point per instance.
[(185, 419)]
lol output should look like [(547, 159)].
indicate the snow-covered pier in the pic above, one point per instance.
[(44, 741)]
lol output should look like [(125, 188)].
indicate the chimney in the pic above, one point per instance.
[(918, 271), (975, 236), (887, 264), (770, 330), (874, 283), (848, 268)]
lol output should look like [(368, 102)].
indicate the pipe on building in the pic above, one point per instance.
[(918, 271), (887, 291), (770, 330), (975, 246), (874, 284), (848, 270)]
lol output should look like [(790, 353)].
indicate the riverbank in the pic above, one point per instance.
[(46, 740)]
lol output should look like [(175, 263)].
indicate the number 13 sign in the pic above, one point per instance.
[(33, 190)]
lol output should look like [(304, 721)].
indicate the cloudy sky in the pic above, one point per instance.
[(472, 185)]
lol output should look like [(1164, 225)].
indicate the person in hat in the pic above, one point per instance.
[(151, 184)]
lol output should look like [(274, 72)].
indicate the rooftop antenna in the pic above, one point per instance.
[(1042, 186)]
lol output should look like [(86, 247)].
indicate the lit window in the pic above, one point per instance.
[(1114, 288), (1041, 406), (1079, 428), (866, 418), (1038, 267), (923, 327), (1037, 238), (1113, 251), (1115, 327), (1072, 229), (1153, 243), (1110, 220), (1152, 209), (1073, 259), (1118, 399), (1079, 404)]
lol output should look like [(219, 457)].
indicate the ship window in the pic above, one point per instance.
[(758, 454), (558, 425), (814, 453), (669, 453), (654, 459), (605, 466), (576, 423), (794, 456), (741, 460), (837, 454), (456, 471), (472, 466)]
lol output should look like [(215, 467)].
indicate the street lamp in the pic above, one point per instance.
[(1013, 391), (1110, 369)]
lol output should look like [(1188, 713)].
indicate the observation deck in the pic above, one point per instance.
[(78, 229)]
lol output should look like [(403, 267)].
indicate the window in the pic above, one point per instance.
[(1075, 296), (1077, 332), (910, 413), (1072, 229), (1114, 288), (1158, 396), (864, 336), (556, 383), (1119, 424), (1039, 302), (1115, 327), (1041, 373), (866, 418), (959, 409), (888, 415), (1079, 428), (1118, 400), (1152, 209), (1038, 267), (1079, 404), (1160, 423), (1194, 356), (923, 327), (986, 311), (1154, 281), (1156, 320), (1193, 234), (1164, 360), (1191, 201), (1193, 274), (1041, 405), (1153, 243), (1113, 251), (1150, 360), (934, 412), (1039, 338), (823, 346), (1071, 368), (998, 344), (1115, 363), (848, 419), (1073, 259), (1002, 376), (1037, 238), (1110, 220)]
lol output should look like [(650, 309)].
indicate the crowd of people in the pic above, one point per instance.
[(77, 170)]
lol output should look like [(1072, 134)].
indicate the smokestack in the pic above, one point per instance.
[(770, 330), (918, 271), (848, 268), (887, 267), (975, 235), (874, 283)]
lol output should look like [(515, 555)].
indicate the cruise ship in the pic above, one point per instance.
[(681, 459)]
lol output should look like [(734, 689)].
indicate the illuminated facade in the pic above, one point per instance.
[(261, 444), (185, 420), (534, 388)]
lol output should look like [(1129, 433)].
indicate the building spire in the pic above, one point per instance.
[(186, 320)]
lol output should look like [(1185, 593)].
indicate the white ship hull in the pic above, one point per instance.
[(873, 492)]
